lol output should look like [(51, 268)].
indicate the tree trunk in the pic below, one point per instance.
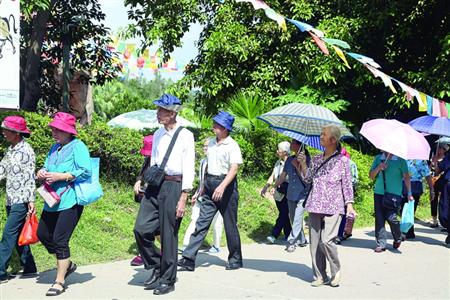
[(31, 74)]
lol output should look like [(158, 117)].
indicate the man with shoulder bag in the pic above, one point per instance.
[(169, 180)]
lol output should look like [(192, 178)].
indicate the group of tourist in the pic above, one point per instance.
[(323, 185)]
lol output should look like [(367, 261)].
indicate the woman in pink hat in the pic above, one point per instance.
[(17, 167), (140, 186), (68, 161)]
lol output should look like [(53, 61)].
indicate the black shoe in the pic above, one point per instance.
[(447, 239), (410, 236), (29, 272), (153, 279), (233, 266), (163, 289), (186, 264)]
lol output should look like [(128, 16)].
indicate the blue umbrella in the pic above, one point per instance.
[(432, 125), (312, 141)]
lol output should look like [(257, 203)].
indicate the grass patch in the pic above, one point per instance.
[(105, 231)]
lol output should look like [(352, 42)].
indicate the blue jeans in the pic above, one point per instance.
[(14, 223)]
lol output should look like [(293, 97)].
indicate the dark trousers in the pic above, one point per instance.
[(157, 214), (55, 230), (13, 226), (434, 202), (282, 223), (410, 233), (228, 207), (383, 214), (342, 224)]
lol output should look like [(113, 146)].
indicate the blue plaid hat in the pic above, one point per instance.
[(225, 119), (169, 102)]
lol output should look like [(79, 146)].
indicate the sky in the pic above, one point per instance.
[(116, 16)]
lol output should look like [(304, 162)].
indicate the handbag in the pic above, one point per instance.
[(28, 235), (90, 190), (154, 176), (49, 195), (407, 217), (282, 189), (390, 201)]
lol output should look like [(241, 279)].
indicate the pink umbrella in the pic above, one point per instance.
[(397, 138)]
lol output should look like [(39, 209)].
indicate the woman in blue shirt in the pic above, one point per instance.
[(68, 161)]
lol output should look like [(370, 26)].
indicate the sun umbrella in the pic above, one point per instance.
[(141, 119), (443, 140), (432, 125), (397, 138), (312, 141), (306, 119)]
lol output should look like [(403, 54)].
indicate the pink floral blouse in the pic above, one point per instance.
[(332, 185)]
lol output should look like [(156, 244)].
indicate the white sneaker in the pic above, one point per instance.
[(271, 239), (214, 250), (336, 279), (320, 282)]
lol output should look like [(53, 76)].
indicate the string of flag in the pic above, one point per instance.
[(429, 104)]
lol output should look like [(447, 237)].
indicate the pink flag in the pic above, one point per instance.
[(444, 112), (320, 43)]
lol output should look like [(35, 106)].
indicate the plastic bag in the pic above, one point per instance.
[(407, 217), (28, 235)]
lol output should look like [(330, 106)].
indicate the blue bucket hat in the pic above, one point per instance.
[(169, 102), (225, 119)]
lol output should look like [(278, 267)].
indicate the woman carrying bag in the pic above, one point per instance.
[(17, 166), (67, 162)]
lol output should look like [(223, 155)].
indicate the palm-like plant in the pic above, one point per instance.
[(246, 107)]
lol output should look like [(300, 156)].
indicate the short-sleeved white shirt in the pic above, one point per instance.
[(222, 156)]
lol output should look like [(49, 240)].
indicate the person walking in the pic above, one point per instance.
[(331, 191), (282, 223), (388, 171), (296, 192), (68, 161), (438, 182), (444, 202), (221, 194), (162, 208), (17, 167), (418, 169), (196, 202), (140, 185)]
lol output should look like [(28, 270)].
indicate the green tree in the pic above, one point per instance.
[(43, 25), (240, 49)]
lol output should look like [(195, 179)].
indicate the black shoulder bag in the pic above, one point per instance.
[(317, 170), (154, 175), (390, 201)]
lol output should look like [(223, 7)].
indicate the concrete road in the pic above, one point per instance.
[(419, 270)]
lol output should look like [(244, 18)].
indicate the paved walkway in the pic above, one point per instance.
[(420, 270)]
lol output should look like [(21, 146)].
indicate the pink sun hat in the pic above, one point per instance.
[(16, 124), (64, 122), (148, 144)]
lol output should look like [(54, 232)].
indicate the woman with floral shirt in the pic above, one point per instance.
[(331, 191), (17, 166)]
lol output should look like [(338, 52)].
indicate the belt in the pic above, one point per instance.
[(216, 176), (178, 178)]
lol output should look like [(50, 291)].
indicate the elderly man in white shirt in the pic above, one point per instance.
[(221, 194), (163, 207)]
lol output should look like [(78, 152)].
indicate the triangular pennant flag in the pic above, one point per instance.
[(386, 79), (429, 105), (320, 43), (422, 99), (447, 106), (257, 4), (317, 32), (364, 59), (271, 14), (436, 108), (300, 25), (341, 54), (444, 112), (337, 42), (409, 96)]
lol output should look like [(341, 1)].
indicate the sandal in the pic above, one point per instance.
[(56, 292), (72, 267)]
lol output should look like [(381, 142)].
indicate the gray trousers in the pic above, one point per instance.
[(322, 231), (296, 212)]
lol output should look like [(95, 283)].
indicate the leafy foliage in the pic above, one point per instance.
[(242, 50), (245, 108)]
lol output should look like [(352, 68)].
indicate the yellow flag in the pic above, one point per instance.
[(422, 99), (341, 54)]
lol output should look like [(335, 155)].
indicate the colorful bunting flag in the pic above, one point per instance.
[(319, 43), (429, 105), (364, 59), (337, 42), (257, 4), (271, 14), (444, 112), (436, 108), (422, 99), (301, 25), (386, 79), (447, 106), (341, 54)]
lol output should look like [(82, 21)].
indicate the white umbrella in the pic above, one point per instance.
[(142, 119)]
